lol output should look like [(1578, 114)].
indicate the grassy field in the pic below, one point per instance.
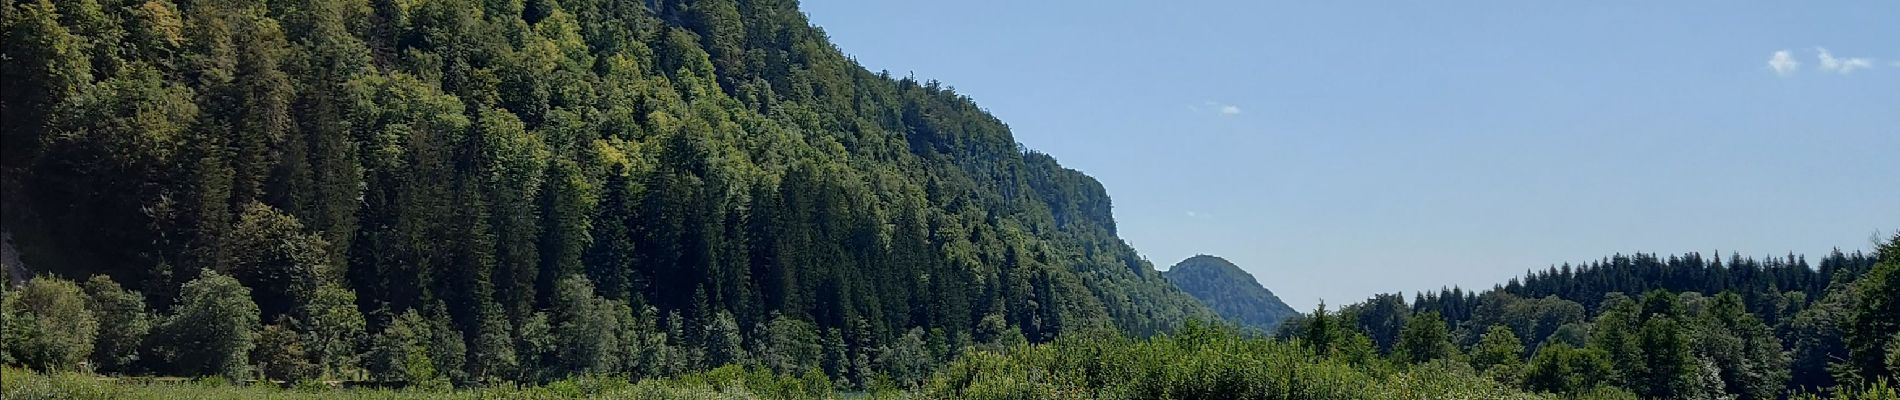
[(983, 377), (725, 383)]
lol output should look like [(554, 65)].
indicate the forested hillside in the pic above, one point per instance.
[(1677, 327), (1230, 291), (522, 190)]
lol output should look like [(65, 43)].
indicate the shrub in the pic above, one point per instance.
[(56, 329)]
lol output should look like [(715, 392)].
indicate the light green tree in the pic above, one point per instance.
[(62, 327), (333, 330)]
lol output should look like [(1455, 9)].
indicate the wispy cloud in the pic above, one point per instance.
[(1843, 66), (1783, 63), (1195, 214), (1223, 109)]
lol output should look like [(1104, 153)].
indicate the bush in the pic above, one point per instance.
[(280, 353), (55, 330)]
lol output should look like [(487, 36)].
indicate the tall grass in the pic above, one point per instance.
[(725, 383), (1197, 364), (1203, 365)]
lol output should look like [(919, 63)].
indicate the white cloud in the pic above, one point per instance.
[(1194, 214), (1783, 63), (1224, 109), (1842, 66)]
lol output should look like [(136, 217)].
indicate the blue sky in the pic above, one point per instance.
[(1337, 149)]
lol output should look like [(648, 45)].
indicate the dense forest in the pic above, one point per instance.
[(1678, 327), (521, 190), (707, 199), (1233, 293)]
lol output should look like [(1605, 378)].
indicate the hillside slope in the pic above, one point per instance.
[(1230, 291), (706, 168)]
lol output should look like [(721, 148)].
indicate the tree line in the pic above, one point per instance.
[(1676, 327)]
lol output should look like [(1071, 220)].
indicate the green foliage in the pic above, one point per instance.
[(1197, 363), (1321, 331), (280, 353), (543, 190), (1893, 353), (1875, 391), (1560, 368), (492, 351), (46, 64), (1535, 320), (584, 328), (123, 325), (1667, 362), (475, 154), (447, 348), (211, 330), (1381, 317), (535, 348), (56, 329), (1744, 351), (283, 265), (1616, 333), (791, 346), (333, 330), (722, 342), (1875, 320), (400, 353), (1424, 338), (1498, 354), (16, 327), (906, 361)]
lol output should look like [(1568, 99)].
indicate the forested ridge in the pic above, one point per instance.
[(1233, 293), (467, 191)]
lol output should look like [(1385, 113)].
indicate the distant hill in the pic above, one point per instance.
[(1230, 291)]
